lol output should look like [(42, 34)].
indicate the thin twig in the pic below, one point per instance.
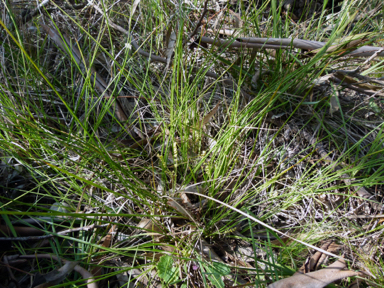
[(10, 272), (193, 33), (237, 44), (34, 238), (286, 43), (358, 89), (365, 216)]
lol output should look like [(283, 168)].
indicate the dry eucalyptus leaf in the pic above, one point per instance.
[(238, 23), (149, 224), (208, 117), (181, 209), (318, 258), (317, 279)]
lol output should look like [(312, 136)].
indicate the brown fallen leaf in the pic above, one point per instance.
[(318, 258), (150, 226), (180, 207), (316, 279)]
